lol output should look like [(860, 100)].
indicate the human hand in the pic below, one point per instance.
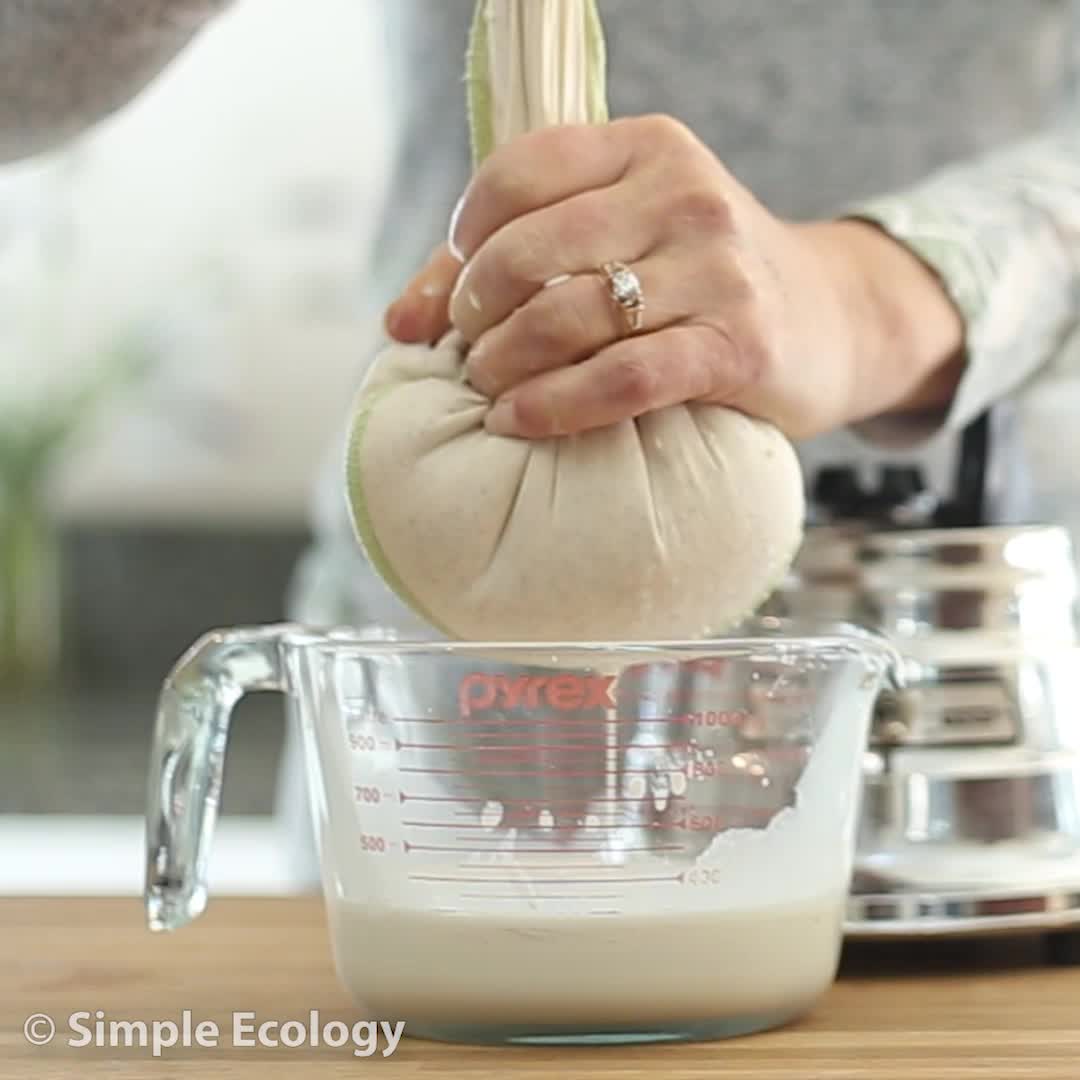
[(811, 327)]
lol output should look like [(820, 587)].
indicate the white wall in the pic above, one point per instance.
[(186, 210)]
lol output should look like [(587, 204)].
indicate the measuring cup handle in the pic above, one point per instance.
[(188, 761)]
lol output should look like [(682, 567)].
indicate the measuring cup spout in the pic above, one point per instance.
[(188, 761), (882, 658), (833, 639)]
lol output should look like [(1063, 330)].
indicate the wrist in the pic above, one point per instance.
[(907, 336)]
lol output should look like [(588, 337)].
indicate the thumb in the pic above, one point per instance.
[(422, 312)]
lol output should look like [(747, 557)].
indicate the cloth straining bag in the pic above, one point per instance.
[(674, 525)]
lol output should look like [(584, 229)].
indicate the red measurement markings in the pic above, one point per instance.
[(541, 851), (538, 803), (679, 720), (529, 722), (545, 828), (531, 896), (711, 718), (532, 748), (636, 879), (716, 821), (547, 867), (758, 769), (734, 812), (518, 774), (763, 753)]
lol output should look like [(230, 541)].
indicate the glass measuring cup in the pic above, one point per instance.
[(531, 842)]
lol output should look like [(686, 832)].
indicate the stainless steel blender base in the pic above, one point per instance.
[(884, 916), (970, 821)]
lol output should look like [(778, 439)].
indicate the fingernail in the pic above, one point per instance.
[(451, 239), (392, 318), (462, 286), (500, 419), (400, 323)]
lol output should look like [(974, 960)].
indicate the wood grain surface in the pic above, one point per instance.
[(930, 1011)]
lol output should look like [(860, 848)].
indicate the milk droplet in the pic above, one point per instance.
[(678, 782), (635, 787), (492, 814), (546, 820)]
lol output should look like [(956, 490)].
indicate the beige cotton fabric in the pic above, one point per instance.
[(672, 526)]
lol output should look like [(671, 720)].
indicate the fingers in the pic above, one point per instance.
[(422, 312), (537, 170), (575, 237), (574, 319), (683, 363)]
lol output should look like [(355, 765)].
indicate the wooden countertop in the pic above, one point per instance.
[(935, 1011)]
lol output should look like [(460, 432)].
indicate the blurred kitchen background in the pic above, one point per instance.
[(188, 298), (184, 315)]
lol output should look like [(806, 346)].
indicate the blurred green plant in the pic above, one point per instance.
[(31, 444)]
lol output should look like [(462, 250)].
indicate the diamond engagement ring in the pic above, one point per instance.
[(625, 289)]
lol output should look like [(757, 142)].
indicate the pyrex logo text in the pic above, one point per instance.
[(559, 692)]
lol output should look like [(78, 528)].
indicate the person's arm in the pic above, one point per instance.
[(67, 64), (1002, 235)]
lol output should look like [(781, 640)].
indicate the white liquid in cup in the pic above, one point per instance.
[(433, 968)]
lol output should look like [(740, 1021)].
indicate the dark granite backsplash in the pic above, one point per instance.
[(134, 600)]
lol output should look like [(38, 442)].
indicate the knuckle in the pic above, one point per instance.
[(633, 383), (561, 143), (665, 130), (550, 324), (505, 181), (523, 256), (735, 281), (705, 205)]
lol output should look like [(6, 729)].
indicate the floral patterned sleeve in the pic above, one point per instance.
[(1003, 234)]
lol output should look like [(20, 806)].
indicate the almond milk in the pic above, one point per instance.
[(685, 968)]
